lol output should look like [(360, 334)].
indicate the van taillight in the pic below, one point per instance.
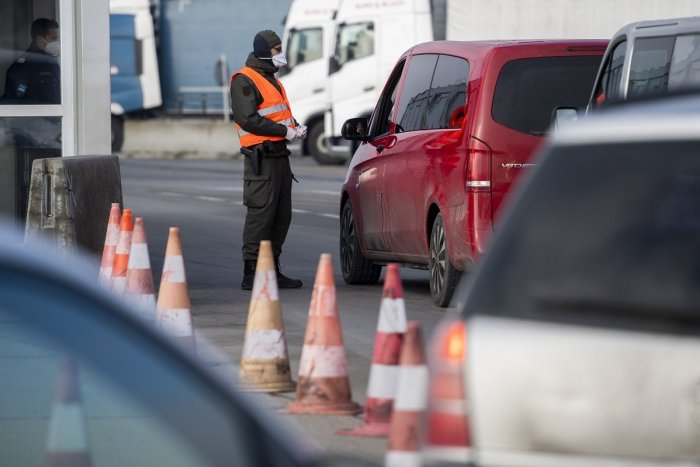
[(479, 166), (448, 417)]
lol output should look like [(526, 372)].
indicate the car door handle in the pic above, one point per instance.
[(318, 90), (368, 88)]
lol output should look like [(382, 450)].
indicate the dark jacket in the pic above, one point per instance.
[(34, 78), (245, 99)]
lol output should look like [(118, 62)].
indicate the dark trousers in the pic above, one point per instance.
[(268, 197)]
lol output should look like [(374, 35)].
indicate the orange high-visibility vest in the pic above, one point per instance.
[(274, 106)]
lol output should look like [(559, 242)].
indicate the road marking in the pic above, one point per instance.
[(331, 216), (322, 192), (210, 198), (300, 211)]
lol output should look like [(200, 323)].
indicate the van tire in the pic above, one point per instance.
[(443, 274), (356, 268), (117, 133), (317, 145)]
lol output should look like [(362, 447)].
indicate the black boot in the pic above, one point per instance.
[(248, 274), (284, 282)]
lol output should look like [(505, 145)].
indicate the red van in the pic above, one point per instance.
[(455, 126)]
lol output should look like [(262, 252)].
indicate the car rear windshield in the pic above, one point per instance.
[(603, 232), (529, 89)]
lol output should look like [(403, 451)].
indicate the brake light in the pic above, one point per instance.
[(478, 166), (448, 436)]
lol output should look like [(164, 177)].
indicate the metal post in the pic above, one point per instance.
[(224, 89)]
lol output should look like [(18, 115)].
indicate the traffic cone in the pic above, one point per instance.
[(383, 373), (67, 442), (121, 255), (265, 362), (410, 403), (323, 387), (173, 314), (139, 279), (105, 276)]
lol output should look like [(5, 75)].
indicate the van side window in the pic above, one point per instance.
[(651, 63), (381, 118), (354, 41), (608, 89), (685, 66), (413, 101), (448, 94)]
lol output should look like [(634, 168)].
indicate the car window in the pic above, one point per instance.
[(305, 45), (650, 66), (685, 64), (448, 93), (413, 101), (354, 41), (381, 118), (581, 240), (529, 89), (80, 380), (608, 88)]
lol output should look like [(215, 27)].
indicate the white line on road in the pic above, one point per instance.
[(210, 198), (300, 211), (332, 216)]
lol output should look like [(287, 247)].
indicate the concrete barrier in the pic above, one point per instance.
[(70, 199)]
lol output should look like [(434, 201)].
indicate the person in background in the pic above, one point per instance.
[(265, 124), (35, 77)]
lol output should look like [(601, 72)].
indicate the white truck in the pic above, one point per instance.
[(340, 53), (561, 19)]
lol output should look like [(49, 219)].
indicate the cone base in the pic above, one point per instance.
[(284, 386), (367, 430), (338, 408)]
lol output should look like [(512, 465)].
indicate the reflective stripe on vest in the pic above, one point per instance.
[(274, 106)]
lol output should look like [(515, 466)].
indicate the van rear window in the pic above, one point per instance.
[(528, 90)]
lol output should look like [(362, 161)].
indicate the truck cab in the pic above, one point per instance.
[(134, 73), (308, 37)]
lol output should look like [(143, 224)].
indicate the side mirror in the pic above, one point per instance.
[(355, 129), (563, 116), (333, 65)]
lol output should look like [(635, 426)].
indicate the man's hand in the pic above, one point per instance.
[(292, 134), (302, 129)]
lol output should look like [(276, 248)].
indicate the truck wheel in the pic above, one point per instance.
[(317, 146), (443, 274), (356, 268), (117, 133)]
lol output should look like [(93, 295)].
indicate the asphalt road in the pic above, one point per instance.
[(204, 199)]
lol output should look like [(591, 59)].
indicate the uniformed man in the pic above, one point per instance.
[(35, 77), (265, 124)]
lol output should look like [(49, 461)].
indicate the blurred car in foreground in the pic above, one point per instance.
[(578, 339), (86, 382), (453, 130)]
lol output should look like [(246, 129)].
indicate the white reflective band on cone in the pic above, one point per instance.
[(320, 361), (112, 234), (402, 459), (265, 286), (119, 284), (138, 258), (264, 344), (412, 391), (124, 244), (67, 431), (176, 321), (382, 381), (174, 269), (392, 315)]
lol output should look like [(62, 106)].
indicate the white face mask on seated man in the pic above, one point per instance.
[(279, 60)]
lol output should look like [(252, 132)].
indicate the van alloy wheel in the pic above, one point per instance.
[(443, 274), (356, 268)]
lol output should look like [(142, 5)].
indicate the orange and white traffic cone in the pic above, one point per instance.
[(173, 314), (324, 386), (121, 255), (410, 403), (105, 276), (140, 290), (67, 443), (383, 374), (265, 361)]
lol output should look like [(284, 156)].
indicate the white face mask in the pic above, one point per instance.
[(279, 60), (53, 48)]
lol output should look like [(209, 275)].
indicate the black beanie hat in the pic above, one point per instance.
[(263, 42)]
